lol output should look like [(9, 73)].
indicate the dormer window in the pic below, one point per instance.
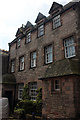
[(56, 22), (28, 38), (40, 30), (18, 43)]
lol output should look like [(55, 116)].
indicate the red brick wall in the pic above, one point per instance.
[(54, 105), (62, 104), (51, 36)]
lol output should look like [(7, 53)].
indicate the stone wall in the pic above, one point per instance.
[(54, 37), (64, 103)]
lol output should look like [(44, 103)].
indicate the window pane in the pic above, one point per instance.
[(20, 91), (12, 66), (18, 42), (40, 30), (28, 39), (57, 84), (21, 63), (48, 54), (33, 59), (33, 90), (56, 22), (69, 47)]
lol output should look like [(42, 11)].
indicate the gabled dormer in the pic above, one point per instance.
[(19, 34), (28, 29), (20, 31), (40, 20), (56, 8), (28, 25)]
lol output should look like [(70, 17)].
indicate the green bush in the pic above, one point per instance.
[(25, 94), (29, 106), (19, 113), (39, 102)]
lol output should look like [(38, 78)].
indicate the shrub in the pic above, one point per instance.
[(19, 113), (29, 106), (39, 102), (25, 94)]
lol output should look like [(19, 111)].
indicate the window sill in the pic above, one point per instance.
[(27, 42), (21, 70), (32, 67), (40, 36), (13, 72), (57, 27), (48, 63), (70, 57)]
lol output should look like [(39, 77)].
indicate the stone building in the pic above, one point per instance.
[(3, 66), (7, 80), (47, 55), (4, 60)]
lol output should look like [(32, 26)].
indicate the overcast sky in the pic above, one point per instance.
[(14, 13)]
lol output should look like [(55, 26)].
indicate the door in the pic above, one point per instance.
[(9, 95)]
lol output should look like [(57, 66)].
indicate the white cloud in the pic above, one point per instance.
[(14, 13)]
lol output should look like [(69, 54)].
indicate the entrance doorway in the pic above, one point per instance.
[(9, 95)]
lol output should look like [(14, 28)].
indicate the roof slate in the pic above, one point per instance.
[(8, 79), (39, 17), (54, 6), (61, 68), (28, 25)]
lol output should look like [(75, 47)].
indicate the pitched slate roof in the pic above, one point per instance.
[(54, 6), (61, 68), (20, 30), (8, 79), (69, 5), (29, 24), (39, 17)]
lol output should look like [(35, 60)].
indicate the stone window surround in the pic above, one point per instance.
[(12, 65), (53, 89), (56, 22), (22, 63), (32, 90), (28, 37), (40, 29), (74, 44), (33, 59), (18, 44), (20, 90), (45, 54)]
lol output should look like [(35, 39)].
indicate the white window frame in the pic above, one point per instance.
[(48, 54), (22, 63), (56, 85), (28, 37), (18, 43), (33, 59), (56, 22), (20, 91), (69, 47), (40, 30), (33, 90), (12, 66)]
